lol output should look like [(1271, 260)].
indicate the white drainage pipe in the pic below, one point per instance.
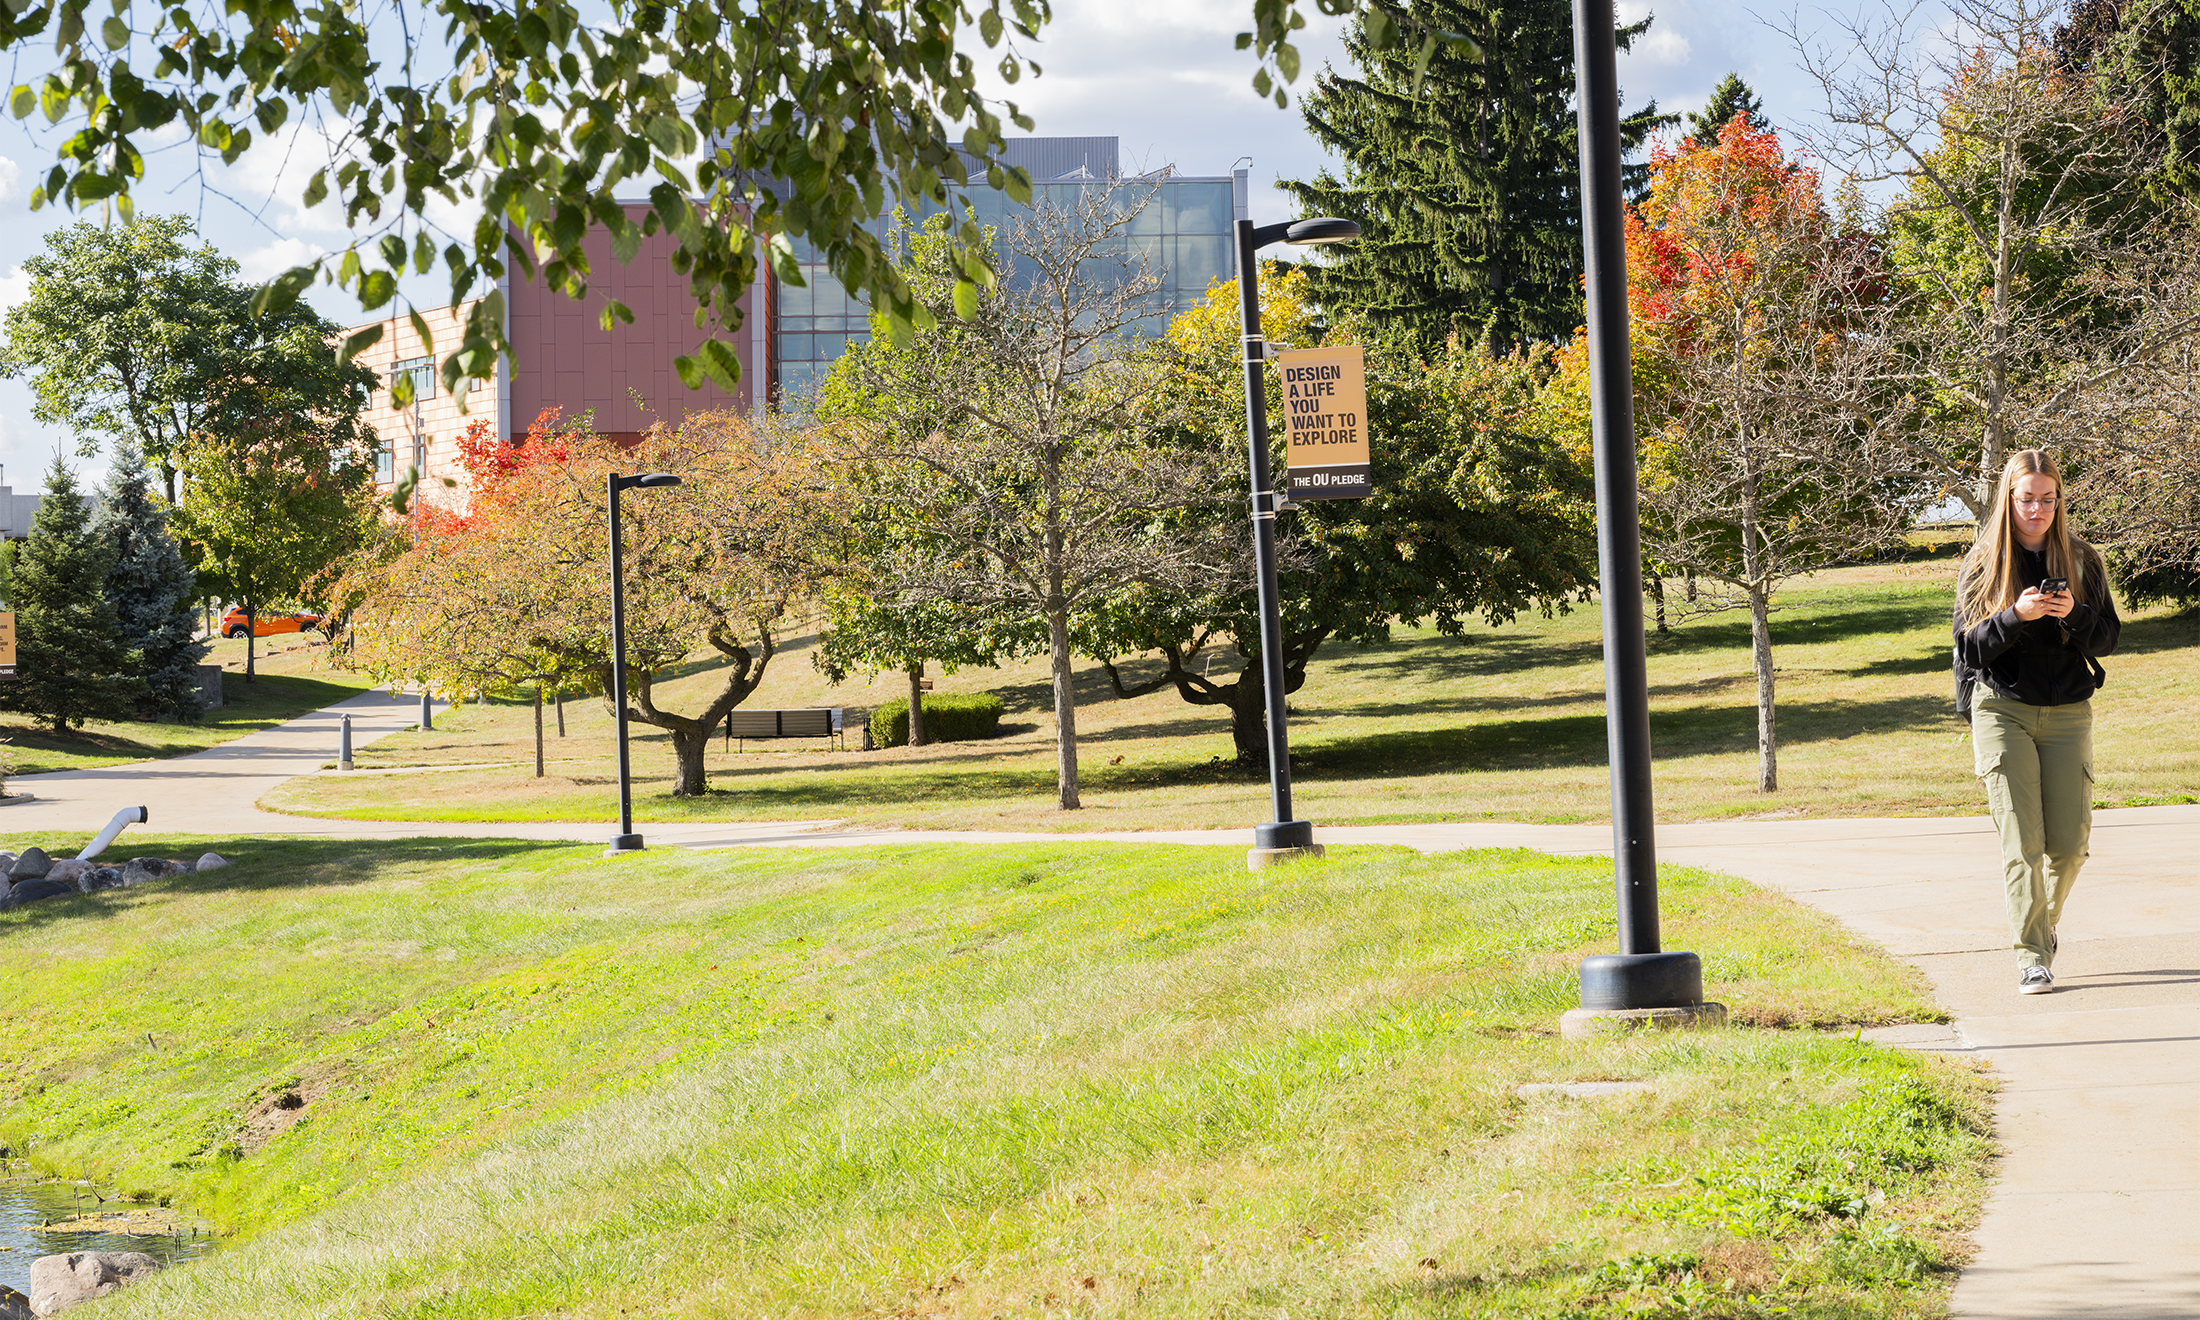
[(126, 816)]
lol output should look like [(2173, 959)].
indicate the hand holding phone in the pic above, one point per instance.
[(2049, 600)]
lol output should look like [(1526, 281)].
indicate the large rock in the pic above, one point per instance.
[(30, 891), (97, 878), (68, 871), (212, 861), (32, 865), (14, 1305), (60, 1282), (138, 870)]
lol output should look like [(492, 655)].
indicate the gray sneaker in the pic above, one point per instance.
[(2035, 981)]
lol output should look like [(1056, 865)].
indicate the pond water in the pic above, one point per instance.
[(42, 1202)]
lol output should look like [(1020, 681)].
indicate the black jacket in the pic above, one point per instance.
[(2046, 662)]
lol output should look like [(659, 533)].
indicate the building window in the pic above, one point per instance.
[(385, 463), (422, 372), (1184, 229)]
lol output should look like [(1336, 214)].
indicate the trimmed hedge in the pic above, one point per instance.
[(948, 717)]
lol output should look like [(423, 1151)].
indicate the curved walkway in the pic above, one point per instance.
[(2097, 1209)]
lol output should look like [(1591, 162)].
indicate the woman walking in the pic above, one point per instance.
[(2032, 611)]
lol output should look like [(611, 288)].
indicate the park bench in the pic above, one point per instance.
[(809, 722)]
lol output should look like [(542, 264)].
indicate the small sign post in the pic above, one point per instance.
[(1325, 422), (7, 644)]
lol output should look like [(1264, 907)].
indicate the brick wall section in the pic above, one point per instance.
[(439, 415), (562, 355)]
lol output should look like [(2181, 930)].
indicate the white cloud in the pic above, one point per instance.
[(11, 182), (15, 286), (272, 259)]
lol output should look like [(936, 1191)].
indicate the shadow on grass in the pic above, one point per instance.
[(247, 707), (1812, 623), (2162, 632), (256, 865), (1577, 740)]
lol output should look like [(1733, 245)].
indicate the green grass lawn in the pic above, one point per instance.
[(1504, 724), (971, 1082), (291, 681)]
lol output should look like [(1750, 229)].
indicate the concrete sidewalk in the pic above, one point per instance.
[(2097, 1209)]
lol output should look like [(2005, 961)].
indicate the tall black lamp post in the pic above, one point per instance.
[(1641, 978), (1282, 832), (626, 840)]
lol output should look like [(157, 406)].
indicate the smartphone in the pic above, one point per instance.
[(2054, 586)]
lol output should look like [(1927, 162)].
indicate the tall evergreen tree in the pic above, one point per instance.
[(1730, 98), (70, 659), (151, 588), (1467, 187), (2144, 56)]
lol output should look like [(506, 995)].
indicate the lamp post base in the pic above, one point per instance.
[(1284, 834), (1641, 980), (621, 844)]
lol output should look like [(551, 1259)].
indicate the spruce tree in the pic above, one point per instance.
[(2144, 56), (1467, 190), (151, 588), (70, 660), (1730, 98)]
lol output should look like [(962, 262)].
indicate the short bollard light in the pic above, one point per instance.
[(343, 743), (427, 712)]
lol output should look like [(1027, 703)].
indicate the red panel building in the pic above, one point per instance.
[(562, 357)]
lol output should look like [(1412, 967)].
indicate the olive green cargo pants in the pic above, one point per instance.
[(2037, 765)]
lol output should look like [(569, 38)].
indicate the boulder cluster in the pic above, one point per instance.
[(34, 875)]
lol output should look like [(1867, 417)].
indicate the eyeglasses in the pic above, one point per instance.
[(2043, 502)]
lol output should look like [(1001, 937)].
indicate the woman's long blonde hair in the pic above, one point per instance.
[(1989, 581)]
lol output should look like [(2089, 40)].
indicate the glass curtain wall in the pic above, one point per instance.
[(1184, 229)]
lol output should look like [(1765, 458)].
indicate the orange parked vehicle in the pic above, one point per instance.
[(235, 624)]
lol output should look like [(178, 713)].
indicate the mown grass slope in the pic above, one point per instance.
[(479, 1078)]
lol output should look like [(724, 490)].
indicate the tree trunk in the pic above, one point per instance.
[(561, 712), (1760, 629), (1065, 707), (688, 747), (538, 730), (1760, 647), (1249, 719), (916, 704), (1657, 594), (251, 635), (1688, 588)]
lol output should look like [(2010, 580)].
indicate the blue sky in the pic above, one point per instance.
[(1162, 75)]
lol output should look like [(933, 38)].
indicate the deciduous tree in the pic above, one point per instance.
[(1773, 441), (2017, 195), (1475, 512), (724, 561), (130, 333), (1014, 448), (270, 511)]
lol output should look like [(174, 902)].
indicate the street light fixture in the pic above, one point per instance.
[(1282, 833), (626, 840)]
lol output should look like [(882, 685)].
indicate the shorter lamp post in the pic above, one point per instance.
[(1282, 832), (626, 840)]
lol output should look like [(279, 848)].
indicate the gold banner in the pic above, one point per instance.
[(1325, 422)]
